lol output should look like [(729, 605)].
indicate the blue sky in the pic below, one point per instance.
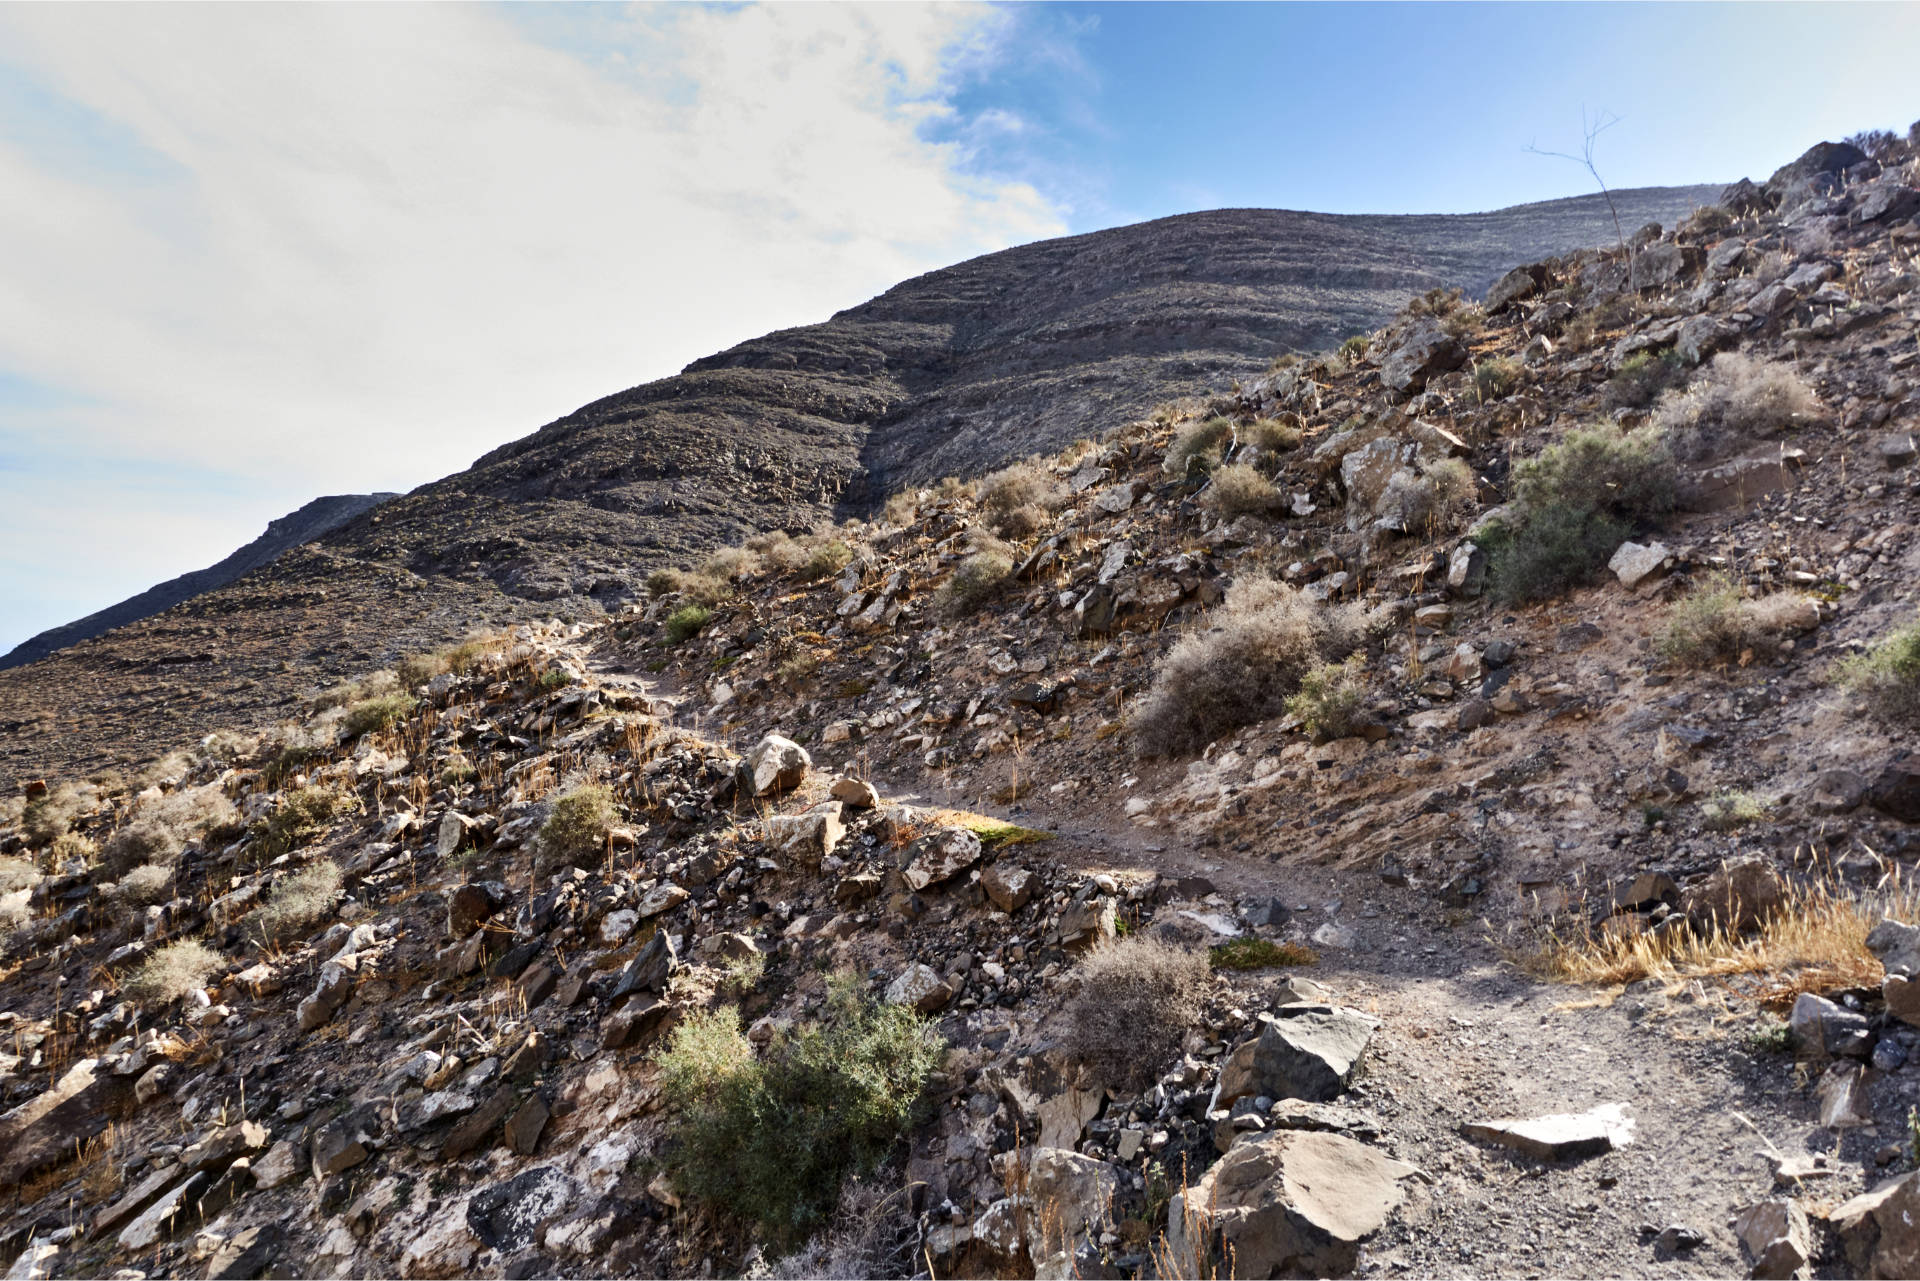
[(262, 253)]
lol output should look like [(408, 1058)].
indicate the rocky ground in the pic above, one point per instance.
[(919, 753)]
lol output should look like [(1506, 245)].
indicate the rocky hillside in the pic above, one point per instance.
[(1438, 808), (318, 517), (955, 372)]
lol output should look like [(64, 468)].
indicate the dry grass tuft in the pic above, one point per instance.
[(1737, 400), (1018, 500), (1714, 624), (1815, 942), (1240, 490)]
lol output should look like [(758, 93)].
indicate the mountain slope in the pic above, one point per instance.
[(953, 372), (300, 526)]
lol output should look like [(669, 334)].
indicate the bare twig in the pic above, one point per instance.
[(1592, 126)]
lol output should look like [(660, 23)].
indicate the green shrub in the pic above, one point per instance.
[(297, 902), (553, 678), (372, 715), (576, 829), (1464, 321), (1330, 698), (1575, 503), (1643, 378), (1136, 1000), (975, 579), (686, 622), (1728, 810), (772, 1139), (1240, 490), (1252, 953), (1497, 376), (1714, 623), (827, 560), (1888, 675), (1196, 449), (1354, 348), (176, 970), (1241, 670)]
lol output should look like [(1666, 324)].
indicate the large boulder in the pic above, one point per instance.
[(1880, 1230), (809, 837), (1896, 792), (1821, 158), (775, 764), (1417, 352), (1897, 946), (940, 856), (1071, 1193), (1820, 1027), (1302, 1052), (47, 1129), (1886, 202), (1290, 1203), (1655, 266)]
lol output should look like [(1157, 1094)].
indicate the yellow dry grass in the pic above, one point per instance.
[(1815, 943)]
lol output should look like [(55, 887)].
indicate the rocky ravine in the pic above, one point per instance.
[(849, 760), (954, 372)]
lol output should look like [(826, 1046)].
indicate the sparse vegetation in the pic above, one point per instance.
[(827, 559), (298, 901), (1243, 668), (1330, 699), (1712, 623), (730, 565), (176, 970), (372, 715), (1354, 348), (1643, 378), (1272, 435), (699, 589), (1576, 502), (1197, 448), (1497, 376), (303, 813), (1239, 490), (1250, 952), (576, 828), (685, 623), (772, 1139), (1137, 998), (742, 974), (142, 887), (17, 874), (976, 578), (1728, 810), (1018, 500), (1737, 400), (1888, 676), (139, 844)]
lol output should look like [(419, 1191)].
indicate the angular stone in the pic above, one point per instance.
[(1842, 1094), (1820, 1027), (469, 907), (1009, 886), (246, 1254), (637, 1021), (1636, 563), (1903, 999), (1302, 1052), (337, 1146), (479, 1125), (921, 988), (1071, 1193), (329, 994), (1655, 266), (524, 1130), (776, 764), (1880, 1230), (1738, 895), (1562, 1136), (650, 970), (47, 1129), (1897, 946), (855, 793), (1418, 352), (136, 1198), (940, 856), (223, 1146), (166, 1216), (809, 837), (280, 1165), (1090, 922), (1777, 1238), (1896, 792), (1511, 288), (663, 897), (1285, 1204), (510, 1216)]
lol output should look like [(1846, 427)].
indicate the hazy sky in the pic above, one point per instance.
[(257, 253)]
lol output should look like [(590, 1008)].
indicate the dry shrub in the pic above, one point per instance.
[(304, 813), (297, 902), (139, 844), (17, 874), (1888, 676), (373, 685), (1239, 490), (698, 588), (976, 578), (72, 847), (1738, 399), (1643, 379), (731, 564), (1243, 669), (1271, 435), (143, 887), (1017, 500), (372, 715), (1198, 448), (1137, 999), (1729, 810), (1330, 699), (1438, 501), (176, 970), (14, 914), (1497, 376), (1815, 942), (228, 746), (872, 1234), (576, 827), (1713, 624), (47, 819)]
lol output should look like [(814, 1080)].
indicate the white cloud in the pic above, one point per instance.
[(352, 247)]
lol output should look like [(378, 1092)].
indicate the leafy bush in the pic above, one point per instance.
[(686, 622), (1737, 400), (1712, 623), (1888, 675), (1355, 347), (1243, 669), (1576, 502), (372, 715), (975, 579), (1136, 1000), (1643, 378), (1329, 700), (176, 970), (1240, 490), (576, 828), (773, 1139), (1196, 449), (1497, 376), (296, 902), (1464, 321)]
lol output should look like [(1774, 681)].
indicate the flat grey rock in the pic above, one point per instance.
[(1563, 1135)]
